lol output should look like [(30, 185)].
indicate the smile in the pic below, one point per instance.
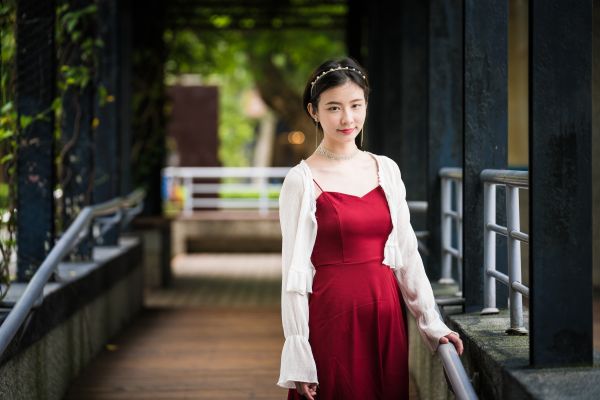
[(346, 131)]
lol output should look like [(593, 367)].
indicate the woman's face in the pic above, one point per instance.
[(342, 111)]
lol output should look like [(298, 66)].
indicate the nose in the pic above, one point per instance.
[(346, 116)]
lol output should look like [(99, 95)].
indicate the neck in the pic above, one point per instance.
[(340, 148)]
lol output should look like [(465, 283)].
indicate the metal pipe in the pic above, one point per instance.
[(459, 239), (489, 249), (523, 237), (446, 200), (505, 177), (34, 290), (495, 227), (461, 385), (499, 276), (451, 173), (514, 261), (519, 287)]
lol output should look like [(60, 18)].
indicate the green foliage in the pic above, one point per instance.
[(9, 125), (234, 61)]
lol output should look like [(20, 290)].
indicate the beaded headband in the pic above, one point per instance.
[(339, 68)]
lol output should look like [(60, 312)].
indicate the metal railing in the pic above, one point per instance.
[(459, 381), (451, 193), (125, 208), (513, 181), (253, 190)]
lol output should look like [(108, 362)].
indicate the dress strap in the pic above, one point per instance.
[(319, 186)]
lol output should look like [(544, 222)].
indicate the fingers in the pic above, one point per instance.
[(456, 341), (308, 390), (458, 344)]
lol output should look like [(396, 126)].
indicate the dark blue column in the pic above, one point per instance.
[(414, 102), (445, 111), (35, 90), (485, 126), (124, 97), (355, 21), (560, 181), (107, 136), (148, 150), (398, 66), (77, 152), (384, 63)]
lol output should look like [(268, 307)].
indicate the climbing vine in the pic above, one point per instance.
[(9, 126), (77, 56)]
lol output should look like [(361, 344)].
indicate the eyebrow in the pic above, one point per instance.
[(338, 103)]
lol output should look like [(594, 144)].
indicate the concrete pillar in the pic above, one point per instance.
[(445, 112), (485, 127), (596, 141), (561, 329), (36, 89)]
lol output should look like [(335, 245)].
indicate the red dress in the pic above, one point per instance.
[(356, 319)]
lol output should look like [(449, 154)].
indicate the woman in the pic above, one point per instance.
[(350, 258)]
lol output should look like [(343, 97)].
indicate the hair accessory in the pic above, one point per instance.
[(339, 68)]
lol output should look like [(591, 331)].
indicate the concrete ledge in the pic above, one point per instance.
[(497, 363), (226, 232), (78, 315)]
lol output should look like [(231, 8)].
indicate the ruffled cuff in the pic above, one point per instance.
[(432, 328), (392, 256), (297, 362), (299, 281)]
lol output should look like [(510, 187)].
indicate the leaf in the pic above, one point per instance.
[(7, 107), (6, 158), (25, 120)]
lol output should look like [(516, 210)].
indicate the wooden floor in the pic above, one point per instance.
[(215, 334), (190, 353)]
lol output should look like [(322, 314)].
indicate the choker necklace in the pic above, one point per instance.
[(332, 156)]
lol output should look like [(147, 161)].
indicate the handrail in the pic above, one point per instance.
[(506, 177), (451, 177), (65, 244), (459, 381), (513, 181)]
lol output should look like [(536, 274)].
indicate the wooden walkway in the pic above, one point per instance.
[(216, 334)]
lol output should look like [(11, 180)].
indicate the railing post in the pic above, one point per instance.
[(514, 261), (446, 277), (489, 249), (263, 206), (188, 196), (459, 239)]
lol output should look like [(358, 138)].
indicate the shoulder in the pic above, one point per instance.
[(387, 165), (293, 183)]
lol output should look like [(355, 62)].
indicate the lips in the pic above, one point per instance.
[(346, 131)]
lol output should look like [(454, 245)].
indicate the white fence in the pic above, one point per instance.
[(223, 187)]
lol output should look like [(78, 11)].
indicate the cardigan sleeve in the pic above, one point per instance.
[(414, 284), (297, 361)]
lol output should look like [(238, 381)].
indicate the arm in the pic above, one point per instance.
[(414, 284), (297, 362)]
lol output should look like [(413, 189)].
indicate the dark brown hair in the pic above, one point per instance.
[(312, 93)]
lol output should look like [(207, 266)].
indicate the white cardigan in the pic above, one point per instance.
[(297, 207)]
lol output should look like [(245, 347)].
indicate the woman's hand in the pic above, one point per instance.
[(308, 390), (453, 337)]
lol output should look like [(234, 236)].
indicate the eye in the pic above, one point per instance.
[(357, 105), (333, 108)]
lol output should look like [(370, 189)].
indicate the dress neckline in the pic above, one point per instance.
[(348, 194), (377, 166)]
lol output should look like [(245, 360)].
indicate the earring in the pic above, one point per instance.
[(316, 132), (362, 135)]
